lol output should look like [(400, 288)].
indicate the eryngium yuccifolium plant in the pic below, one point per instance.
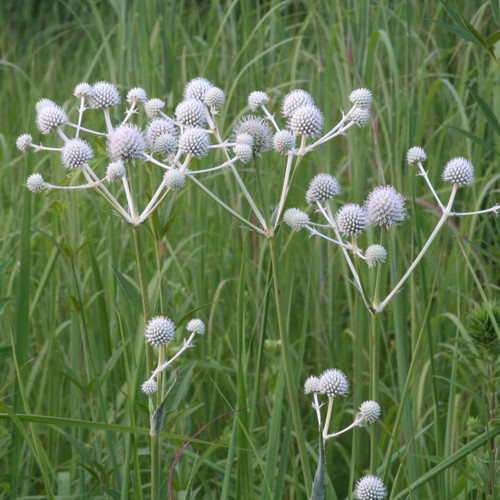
[(115, 171), (258, 129), (459, 171), (322, 187), (360, 116), (361, 98), (307, 120), (369, 411), (351, 219), (370, 488), (294, 100), (35, 183), (160, 330), (385, 207), (49, 118), (126, 143), (375, 255), (257, 99), (197, 88), (195, 142), (311, 385), (103, 95), (191, 113), (153, 107), (295, 218), (214, 98), (333, 383), (416, 155), (283, 141), (24, 142), (75, 153), (197, 326), (149, 386)]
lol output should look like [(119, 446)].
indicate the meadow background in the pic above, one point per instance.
[(70, 332)]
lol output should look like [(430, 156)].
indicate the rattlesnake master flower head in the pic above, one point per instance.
[(415, 155), (369, 411), (75, 153), (137, 96), (258, 129), (375, 255), (194, 141), (165, 145), (197, 88), (294, 100), (283, 141), (214, 98), (257, 99), (23, 142), (360, 116), (244, 138), (49, 118), (385, 207), (104, 95), (351, 219), (35, 183), (307, 120), (361, 97), (322, 187), (295, 218), (44, 103), (191, 113), (160, 330), (333, 383), (158, 127), (244, 152), (196, 326), (115, 171), (311, 385), (83, 89), (370, 488), (459, 171), (174, 179), (149, 387), (126, 143), (153, 107)]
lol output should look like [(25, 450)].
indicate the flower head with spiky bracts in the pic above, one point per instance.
[(83, 90), (153, 107), (137, 96), (294, 100), (191, 113), (311, 385), (23, 142), (333, 383), (50, 117), (360, 116), (35, 183), (257, 99), (321, 188), (158, 127), (126, 143), (75, 153), (44, 103), (115, 171), (375, 255), (295, 218), (160, 330), (214, 98), (104, 95), (197, 88), (307, 120), (149, 387), (165, 145), (362, 98), (243, 151), (369, 411), (258, 129), (194, 141), (197, 326), (459, 171), (370, 488), (174, 179), (352, 219), (283, 141), (415, 155), (385, 207)]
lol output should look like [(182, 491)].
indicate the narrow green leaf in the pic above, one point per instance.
[(492, 39), (474, 138), (130, 290), (486, 110), (462, 33), (474, 32), (495, 8), (319, 484)]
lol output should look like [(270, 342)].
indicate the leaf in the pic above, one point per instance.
[(462, 33), (486, 109), (130, 289), (474, 138), (492, 39), (319, 484), (474, 32)]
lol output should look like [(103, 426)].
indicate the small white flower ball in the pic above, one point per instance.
[(311, 385), (197, 88), (160, 330), (214, 98), (35, 183), (459, 171), (104, 95), (322, 187), (75, 153), (307, 120), (294, 100), (257, 99), (385, 207), (333, 382), (149, 387), (157, 127), (375, 255), (137, 96), (361, 97), (196, 326), (126, 143), (295, 218), (370, 488), (43, 103), (415, 155), (352, 219), (165, 144), (283, 141), (49, 118), (244, 152), (24, 142), (194, 141), (258, 129), (174, 179), (115, 171), (153, 107), (83, 89), (360, 116), (369, 411), (244, 138), (191, 113)]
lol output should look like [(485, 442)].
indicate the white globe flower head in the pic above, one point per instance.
[(295, 218), (149, 387), (258, 129), (352, 219), (362, 98), (459, 171), (415, 155), (311, 385), (115, 171), (321, 188), (126, 143), (137, 96), (160, 330), (369, 411), (75, 153), (385, 207), (196, 326), (283, 141), (23, 142), (166, 145), (153, 107), (360, 116), (214, 98), (370, 488), (244, 152), (375, 255), (294, 100), (158, 127), (197, 88), (104, 95), (83, 90), (35, 183), (191, 113), (43, 103), (244, 138), (333, 383), (257, 99), (307, 120), (49, 118), (194, 141), (174, 179)]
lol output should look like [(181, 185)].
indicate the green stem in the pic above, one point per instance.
[(375, 374)]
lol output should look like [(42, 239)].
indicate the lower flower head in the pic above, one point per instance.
[(75, 153), (295, 218), (351, 219), (194, 141), (307, 120), (35, 183), (311, 385), (115, 171), (369, 411), (258, 129), (126, 143), (370, 488), (174, 179), (196, 326), (214, 98), (49, 118), (283, 141), (322, 187), (24, 142), (137, 96), (153, 107), (375, 255), (149, 387), (160, 330)]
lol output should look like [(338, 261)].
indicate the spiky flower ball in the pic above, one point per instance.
[(307, 120), (44, 103), (153, 107), (385, 207), (351, 219), (23, 142), (197, 89), (244, 138), (258, 129), (244, 152), (415, 155), (370, 488), (360, 116), (35, 183), (361, 97), (369, 411), (158, 127), (137, 96), (294, 100), (194, 141), (196, 326), (49, 118), (375, 255), (126, 143), (214, 98), (83, 89), (295, 218), (149, 387), (104, 95), (75, 153), (283, 141), (174, 179), (333, 383), (322, 187), (115, 171), (459, 171), (191, 113), (165, 145), (311, 385), (257, 99), (160, 330)]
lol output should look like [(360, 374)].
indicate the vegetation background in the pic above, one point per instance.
[(70, 333)]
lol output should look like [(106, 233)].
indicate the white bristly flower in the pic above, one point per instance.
[(191, 113), (75, 153), (283, 141), (322, 187), (153, 107), (361, 97), (165, 145), (35, 183), (294, 100), (360, 116), (194, 141), (311, 385), (137, 96), (375, 255), (370, 488), (244, 138), (104, 95), (307, 120), (160, 330), (83, 89), (333, 382), (214, 98), (24, 142), (295, 218), (258, 129), (149, 387), (415, 155), (244, 152), (369, 411), (196, 326), (174, 179), (126, 143), (115, 171), (257, 99), (158, 127), (49, 118), (351, 219), (197, 88), (43, 103), (459, 171), (385, 207)]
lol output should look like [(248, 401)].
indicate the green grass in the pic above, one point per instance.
[(73, 423)]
